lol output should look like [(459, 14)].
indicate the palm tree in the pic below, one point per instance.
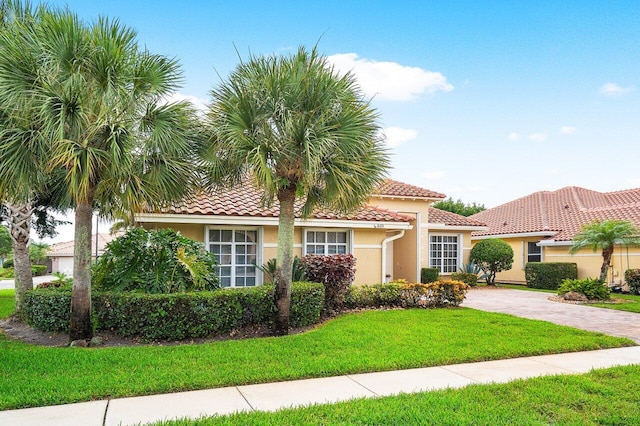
[(100, 101), (301, 132), (20, 154), (604, 235)]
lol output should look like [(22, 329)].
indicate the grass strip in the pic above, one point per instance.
[(353, 343), (7, 302), (601, 397)]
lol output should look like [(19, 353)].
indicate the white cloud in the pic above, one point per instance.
[(198, 103), (513, 136), (568, 130), (390, 80), (538, 137), (397, 135), (433, 175), (613, 89)]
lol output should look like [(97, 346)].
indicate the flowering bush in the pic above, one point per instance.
[(632, 276), (437, 294)]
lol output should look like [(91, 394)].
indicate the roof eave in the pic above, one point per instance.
[(267, 221), (516, 235)]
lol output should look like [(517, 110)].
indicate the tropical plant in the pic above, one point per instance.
[(38, 252), (459, 207), (592, 288), (5, 244), (492, 255), (302, 133), (98, 101), (269, 270), (156, 261), (604, 235)]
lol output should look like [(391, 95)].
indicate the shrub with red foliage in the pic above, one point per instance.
[(336, 272)]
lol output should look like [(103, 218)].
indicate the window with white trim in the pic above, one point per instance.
[(326, 242), (443, 253), (236, 253), (534, 252)]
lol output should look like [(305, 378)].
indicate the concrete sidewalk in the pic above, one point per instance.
[(274, 396), (9, 284)]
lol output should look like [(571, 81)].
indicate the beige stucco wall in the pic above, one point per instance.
[(366, 244), (588, 262)]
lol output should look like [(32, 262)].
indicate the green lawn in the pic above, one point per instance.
[(602, 397), (359, 342), (7, 302)]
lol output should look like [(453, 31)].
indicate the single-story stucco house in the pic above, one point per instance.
[(60, 255), (393, 236), (540, 228)]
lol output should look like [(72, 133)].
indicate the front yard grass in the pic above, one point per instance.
[(601, 397), (352, 343), (7, 302)]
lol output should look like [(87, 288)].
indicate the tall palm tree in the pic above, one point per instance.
[(100, 101), (20, 154), (301, 132), (604, 235)]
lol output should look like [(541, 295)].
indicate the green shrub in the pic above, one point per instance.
[(8, 263), (549, 275), (592, 288), (438, 294), (469, 278), (160, 261), (632, 276), (429, 275), (6, 272), (373, 296), (38, 270), (336, 272), (48, 310), (176, 316), (441, 293), (492, 255)]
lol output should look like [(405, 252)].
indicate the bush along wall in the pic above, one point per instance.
[(438, 294), (336, 272), (549, 275), (429, 275), (632, 277), (176, 316)]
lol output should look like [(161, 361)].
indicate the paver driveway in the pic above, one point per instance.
[(536, 305)]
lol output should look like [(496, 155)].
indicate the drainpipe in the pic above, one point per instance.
[(384, 253)]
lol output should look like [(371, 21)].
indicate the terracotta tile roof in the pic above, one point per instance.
[(451, 219), (393, 188), (246, 201), (561, 213)]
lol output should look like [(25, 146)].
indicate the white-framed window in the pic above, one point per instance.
[(236, 251), (329, 241), (534, 252), (444, 253)]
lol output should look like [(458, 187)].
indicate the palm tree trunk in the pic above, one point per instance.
[(80, 326), (284, 260), (19, 221), (606, 261)]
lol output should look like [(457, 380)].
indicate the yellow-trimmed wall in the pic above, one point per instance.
[(588, 262), (366, 244)]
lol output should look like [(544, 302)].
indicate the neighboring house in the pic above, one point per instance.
[(394, 235), (60, 255), (540, 228)]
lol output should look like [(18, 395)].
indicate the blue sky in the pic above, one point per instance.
[(483, 101)]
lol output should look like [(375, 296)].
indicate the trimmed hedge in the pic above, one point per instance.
[(429, 275), (549, 275), (438, 294), (176, 316), (468, 278)]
